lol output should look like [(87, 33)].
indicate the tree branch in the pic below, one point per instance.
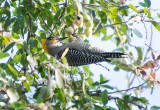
[(44, 20), (101, 5), (126, 102), (65, 6), (129, 88), (108, 26)]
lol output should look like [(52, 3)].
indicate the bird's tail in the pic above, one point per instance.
[(113, 55)]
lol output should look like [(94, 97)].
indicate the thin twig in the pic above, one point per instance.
[(126, 102), (145, 28), (150, 44), (129, 88), (65, 6), (119, 23), (96, 26), (101, 5), (44, 20), (5, 30), (131, 82), (109, 26), (59, 4), (102, 66), (30, 30)]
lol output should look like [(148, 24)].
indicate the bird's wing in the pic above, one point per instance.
[(77, 58)]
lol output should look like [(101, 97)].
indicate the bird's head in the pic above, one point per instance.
[(51, 41)]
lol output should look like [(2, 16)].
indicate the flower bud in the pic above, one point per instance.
[(87, 20), (69, 30), (83, 36), (88, 32), (77, 6)]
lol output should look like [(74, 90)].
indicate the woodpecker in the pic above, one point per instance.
[(78, 53)]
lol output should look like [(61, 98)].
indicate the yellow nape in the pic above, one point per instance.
[(44, 46)]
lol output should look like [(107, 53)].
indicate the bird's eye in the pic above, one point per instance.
[(50, 38), (78, 18)]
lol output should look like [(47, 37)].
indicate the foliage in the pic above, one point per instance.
[(56, 85)]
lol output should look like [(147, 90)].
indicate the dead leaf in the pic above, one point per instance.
[(153, 57), (153, 74), (149, 64), (143, 73), (151, 84), (64, 53)]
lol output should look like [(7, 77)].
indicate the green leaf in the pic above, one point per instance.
[(145, 10), (142, 4), (104, 97), (95, 83), (97, 107), (60, 96), (3, 55), (17, 57), (69, 20), (111, 108), (33, 43), (36, 75), (24, 60), (49, 20), (123, 8), (107, 86), (138, 34), (19, 104), (46, 92), (101, 78), (158, 15), (35, 27), (41, 69), (143, 100), (59, 78), (114, 12), (103, 17), (19, 24), (86, 68), (13, 71), (15, 36), (92, 8), (107, 37), (147, 3), (35, 96), (13, 95), (156, 25), (120, 103), (46, 32), (140, 53), (7, 23), (133, 8), (98, 29), (155, 108), (80, 30), (26, 84), (64, 60), (104, 81), (9, 47), (126, 98)]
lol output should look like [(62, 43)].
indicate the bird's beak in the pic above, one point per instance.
[(60, 39)]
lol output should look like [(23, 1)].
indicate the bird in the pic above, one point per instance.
[(77, 52)]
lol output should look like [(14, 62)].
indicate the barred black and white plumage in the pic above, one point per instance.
[(77, 58), (111, 55), (79, 53)]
